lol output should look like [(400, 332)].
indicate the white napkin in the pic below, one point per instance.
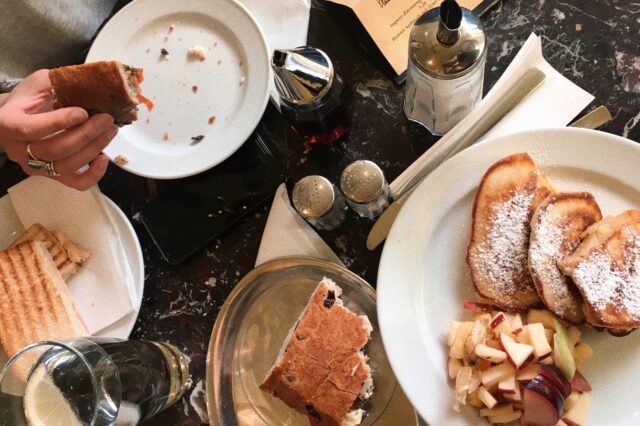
[(100, 289), (553, 104), (284, 23), (288, 234)]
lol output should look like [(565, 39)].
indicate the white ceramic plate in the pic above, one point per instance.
[(423, 277), (232, 82), (10, 228)]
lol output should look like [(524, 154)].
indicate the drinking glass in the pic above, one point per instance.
[(91, 381)]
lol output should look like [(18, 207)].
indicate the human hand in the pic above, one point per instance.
[(66, 137)]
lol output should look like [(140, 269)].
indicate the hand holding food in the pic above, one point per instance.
[(56, 143)]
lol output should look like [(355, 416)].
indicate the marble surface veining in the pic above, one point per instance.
[(594, 43)]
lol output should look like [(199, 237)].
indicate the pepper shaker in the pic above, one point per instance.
[(319, 202), (365, 188), (315, 101), (447, 55)]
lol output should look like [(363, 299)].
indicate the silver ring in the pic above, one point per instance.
[(37, 164)]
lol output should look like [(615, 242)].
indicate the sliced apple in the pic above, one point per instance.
[(516, 324), (579, 383), (515, 397), (582, 352), (497, 411), (490, 354), (541, 347), (508, 384), (523, 336), (500, 324), (562, 355), (457, 348), (548, 333), (454, 366), (542, 316), (493, 375), (487, 399), (474, 400), (505, 418), (518, 354), (475, 336), (578, 412), (527, 373), (571, 400), (493, 343), (453, 330), (574, 334)]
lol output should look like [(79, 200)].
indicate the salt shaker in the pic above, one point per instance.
[(319, 202), (315, 101), (447, 55), (365, 188)]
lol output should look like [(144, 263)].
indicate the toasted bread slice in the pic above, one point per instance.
[(66, 254), (556, 229), (35, 303), (321, 370), (606, 269), (497, 254)]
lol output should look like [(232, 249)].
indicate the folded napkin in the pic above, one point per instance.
[(100, 290), (284, 23), (553, 104), (288, 234)]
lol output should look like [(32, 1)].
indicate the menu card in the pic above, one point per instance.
[(384, 25)]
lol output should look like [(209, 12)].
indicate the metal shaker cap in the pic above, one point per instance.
[(448, 41), (313, 196), (362, 181), (302, 75)]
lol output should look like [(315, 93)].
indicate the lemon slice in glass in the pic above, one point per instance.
[(44, 403)]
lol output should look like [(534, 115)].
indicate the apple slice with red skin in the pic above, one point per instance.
[(542, 404), (469, 305), (552, 373), (579, 383), (518, 354)]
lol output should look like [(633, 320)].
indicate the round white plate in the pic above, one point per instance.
[(423, 277), (232, 82), (10, 228)]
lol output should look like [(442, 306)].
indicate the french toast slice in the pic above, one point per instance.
[(497, 254), (606, 269), (556, 229)]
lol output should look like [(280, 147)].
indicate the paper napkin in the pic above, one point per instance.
[(284, 23), (553, 104), (288, 234), (100, 289)]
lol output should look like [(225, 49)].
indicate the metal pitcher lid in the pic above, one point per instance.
[(302, 75), (448, 41)]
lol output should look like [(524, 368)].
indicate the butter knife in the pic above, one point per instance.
[(531, 79)]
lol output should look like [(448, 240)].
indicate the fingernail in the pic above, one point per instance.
[(104, 121), (104, 162), (77, 116)]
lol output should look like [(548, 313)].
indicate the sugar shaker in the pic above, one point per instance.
[(447, 55), (315, 101), (319, 202), (365, 188)]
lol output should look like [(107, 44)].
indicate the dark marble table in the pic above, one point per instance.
[(594, 43)]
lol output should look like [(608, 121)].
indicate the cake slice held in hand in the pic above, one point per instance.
[(509, 193), (606, 269), (321, 370), (556, 230)]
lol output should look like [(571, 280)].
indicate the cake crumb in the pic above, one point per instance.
[(121, 160), (196, 139), (242, 80), (171, 28), (147, 120), (219, 61), (148, 49), (197, 52), (194, 88), (212, 119), (165, 136), (166, 39), (164, 53)]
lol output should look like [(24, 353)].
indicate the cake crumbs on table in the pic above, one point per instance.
[(212, 119)]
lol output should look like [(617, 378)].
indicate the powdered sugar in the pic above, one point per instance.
[(503, 255), (604, 281), (544, 252)]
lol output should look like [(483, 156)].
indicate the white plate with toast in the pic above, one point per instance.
[(423, 277), (220, 98), (11, 228)]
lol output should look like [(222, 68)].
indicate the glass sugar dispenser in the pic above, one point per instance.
[(447, 55), (315, 101)]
